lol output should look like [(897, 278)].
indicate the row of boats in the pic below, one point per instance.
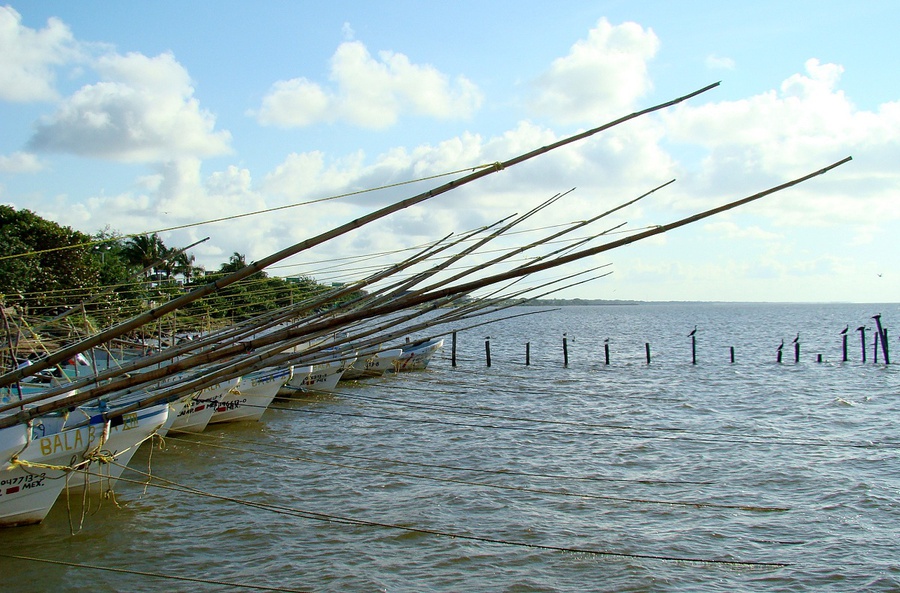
[(97, 422), (78, 448)]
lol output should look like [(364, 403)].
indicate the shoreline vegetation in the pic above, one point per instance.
[(70, 282)]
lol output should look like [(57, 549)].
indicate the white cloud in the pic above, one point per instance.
[(601, 76), (728, 230), (20, 162), (369, 93), (714, 62), (142, 111), (28, 57), (806, 124)]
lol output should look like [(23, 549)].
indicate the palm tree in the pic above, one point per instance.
[(184, 265), (145, 251), (235, 263)]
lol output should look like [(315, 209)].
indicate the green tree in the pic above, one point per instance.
[(48, 265), (184, 265), (146, 252)]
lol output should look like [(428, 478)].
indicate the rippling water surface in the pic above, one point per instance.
[(668, 476)]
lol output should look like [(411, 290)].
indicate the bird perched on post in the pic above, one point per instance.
[(694, 331)]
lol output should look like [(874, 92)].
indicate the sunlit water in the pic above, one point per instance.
[(667, 476)]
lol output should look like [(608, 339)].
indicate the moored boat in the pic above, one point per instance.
[(322, 376), (416, 356), (250, 398), (200, 409), (32, 479), (372, 365)]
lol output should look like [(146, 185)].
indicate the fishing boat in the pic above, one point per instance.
[(200, 408), (249, 399), (416, 356), (323, 376), (32, 479), (372, 365)]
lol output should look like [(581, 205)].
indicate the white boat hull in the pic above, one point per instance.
[(321, 377), (373, 365), (248, 401), (31, 482), (200, 409), (416, 358)]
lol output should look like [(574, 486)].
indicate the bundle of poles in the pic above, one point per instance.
[(382, 308)]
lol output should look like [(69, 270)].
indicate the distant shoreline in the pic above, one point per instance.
[(606, 302)]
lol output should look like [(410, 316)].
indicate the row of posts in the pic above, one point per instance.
[(881, 342)]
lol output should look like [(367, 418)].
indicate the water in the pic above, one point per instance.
[(627, 477)]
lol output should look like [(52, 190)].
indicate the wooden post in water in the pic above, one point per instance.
[(883, 334), (797, 349), (875, 347), (780, 349), (606, 350), (844, 343), (819, 358), (527, 353), (693, 336), (862, 337), (732, 354), (453, 352), (647, 349), (565, 351), (487, 350)]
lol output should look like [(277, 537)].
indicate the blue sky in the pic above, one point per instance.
[(145, 116)]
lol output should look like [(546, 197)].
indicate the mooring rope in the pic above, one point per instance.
[(677, 433), (502, 472), (582, 495), (145, 573), (312, 515)]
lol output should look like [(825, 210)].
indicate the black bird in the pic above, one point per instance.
[(693, 332), (844, 331), (797, 339), (781, 346)]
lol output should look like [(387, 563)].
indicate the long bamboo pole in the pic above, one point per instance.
[(139, 320), (415, 300), (468, 287)]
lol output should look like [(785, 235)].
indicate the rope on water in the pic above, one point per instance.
[(312, 515), (145, 573), (662, 432), (694, 504), (502, 472)]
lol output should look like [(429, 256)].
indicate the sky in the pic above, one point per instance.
[(158, 116)]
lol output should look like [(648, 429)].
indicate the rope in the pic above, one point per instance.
[(502, 472), (694, 504), (637, 435), (680, 433), (170, 485), (157, 575), (245, 214)]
